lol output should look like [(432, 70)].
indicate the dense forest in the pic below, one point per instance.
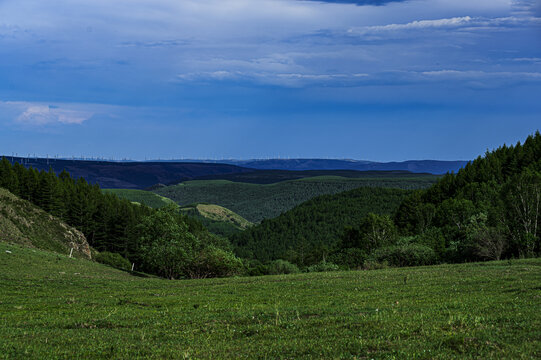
[(490, 209), (306, 233)]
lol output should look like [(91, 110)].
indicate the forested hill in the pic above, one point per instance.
[(489, 209), (302, 234)]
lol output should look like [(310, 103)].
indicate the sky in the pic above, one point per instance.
[(374, 80)]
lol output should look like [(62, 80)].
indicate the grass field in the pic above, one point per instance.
[(256, 202), (141, 197), (55, 307)]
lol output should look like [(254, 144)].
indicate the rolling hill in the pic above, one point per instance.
[(256, 202), (416, 166), (319, 222), (274, 176), (147, 198), (23, 223), (129, 175)]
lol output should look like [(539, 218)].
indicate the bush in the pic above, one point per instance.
[(405, 255), (278, 267), (434, 239), (215, 262), (352, 258), (113, 259), (374, 265), (256, 268), (322, 267)]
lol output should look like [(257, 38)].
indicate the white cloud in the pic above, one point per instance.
[(456, 22), (527, 60), (455, 74), (38, 114), (422, 24)]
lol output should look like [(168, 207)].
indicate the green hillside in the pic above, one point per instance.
[(23, 223), (55, 307), (141, 197), (256, 202), (314, 224)]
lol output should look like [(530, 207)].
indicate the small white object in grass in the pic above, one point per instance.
[(8, 252)]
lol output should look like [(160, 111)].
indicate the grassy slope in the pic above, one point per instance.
[(257, 202), (217, 219), (23, 223), (55, 307), (221, 214), (274, 176), (142, 197)]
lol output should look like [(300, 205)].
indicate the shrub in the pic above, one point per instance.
[(278, 267), (434, 239), (323, 266), (113, 259), (256, 268), (215, 262), (405, 255), (374, 265), (351, 258)]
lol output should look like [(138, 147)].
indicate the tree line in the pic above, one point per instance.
[(489, 210)]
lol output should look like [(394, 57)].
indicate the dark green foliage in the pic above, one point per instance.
[(212, 261), (112, 259), (172, 251), (404, 255), (489, 209), (311, 232)]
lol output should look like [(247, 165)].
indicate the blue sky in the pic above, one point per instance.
[(366, 79)]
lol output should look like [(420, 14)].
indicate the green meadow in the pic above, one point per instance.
[(54, 307)]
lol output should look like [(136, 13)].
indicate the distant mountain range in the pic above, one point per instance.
[(437, 167), (145, 174)]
